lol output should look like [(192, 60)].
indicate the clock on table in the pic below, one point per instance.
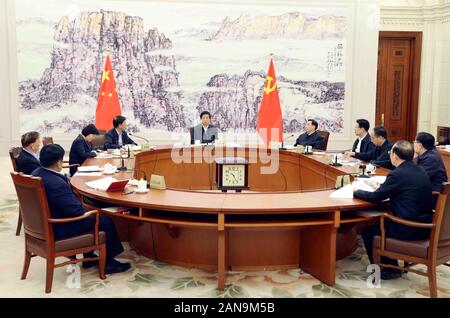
[(231, 174)]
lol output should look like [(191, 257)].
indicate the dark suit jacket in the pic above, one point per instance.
[(366, 144), (314, 140), (432, 163), (408, 189), (379, 156), (26, 163), (61, 200), (112, 139), (79, 152)]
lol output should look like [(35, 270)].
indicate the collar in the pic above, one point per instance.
[(118, 132), (361, 138), (311, 133), (205, 128), (35, 155), (56, 172)]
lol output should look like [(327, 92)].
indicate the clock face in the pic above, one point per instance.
[(233, 175)]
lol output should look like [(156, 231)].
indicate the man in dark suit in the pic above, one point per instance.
[(81, 147), (28, 160), (408, 189), (64, 204), (429, 158), (363, 143), (118, 137), (205, 132), (379, 156), (310, 137)]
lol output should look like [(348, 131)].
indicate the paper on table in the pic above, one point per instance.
[(319, 153), (379, 179), (88, 174), (89, 169), (104, 155), (362, 185), (345, 192), (101, 184)]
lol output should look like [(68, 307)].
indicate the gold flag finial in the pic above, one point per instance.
[(107, 51)]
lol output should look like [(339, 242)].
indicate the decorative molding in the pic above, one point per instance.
[(402, 15)]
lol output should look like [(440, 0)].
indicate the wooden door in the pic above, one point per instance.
[(398, 77)]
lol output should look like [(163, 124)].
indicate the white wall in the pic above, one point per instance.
[(360, 82), (432, 17)]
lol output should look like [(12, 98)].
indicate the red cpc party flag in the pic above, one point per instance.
[(270, 123), (108, 105)]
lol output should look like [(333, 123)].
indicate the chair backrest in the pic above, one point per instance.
[(47, 141), (99, 141), (325, 135), (34, 206), (13, 155), (191, 132), (440, 235)]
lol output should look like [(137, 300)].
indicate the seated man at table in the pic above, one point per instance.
[(310, 137), (118, 137), (63, 203), (379, 156), (408, 189), (429, 158), (363, 143), (81, 147), (205, 132), (28, 160)]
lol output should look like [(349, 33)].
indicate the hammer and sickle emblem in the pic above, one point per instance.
[(268, 89)]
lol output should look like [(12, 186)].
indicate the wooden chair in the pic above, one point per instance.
[(191, 133), (13, 155), (326, 136), (431, 252), (39, 239), (47, 141), (99, 141)]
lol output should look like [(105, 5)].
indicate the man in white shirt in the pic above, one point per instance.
[(363, 143)]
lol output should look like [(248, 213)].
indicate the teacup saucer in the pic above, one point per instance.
[(109, 172), (144, 191)]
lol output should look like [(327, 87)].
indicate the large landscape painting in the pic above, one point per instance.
[(172, 60)]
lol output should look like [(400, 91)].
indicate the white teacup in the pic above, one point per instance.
[(447, 148), (370, 168), (108, 168), (197, 142), (142, 185)]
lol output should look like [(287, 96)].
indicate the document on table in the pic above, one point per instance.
[(88, 174), (89, 169), (104, 156), (346, 192), (101, 184), (379, 179)]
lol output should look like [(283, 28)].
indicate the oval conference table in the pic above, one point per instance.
[(285, 220)]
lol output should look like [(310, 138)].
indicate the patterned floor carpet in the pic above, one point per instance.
[(149, 278)]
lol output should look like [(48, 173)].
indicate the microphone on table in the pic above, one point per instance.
[(145, 146), (282, 143)]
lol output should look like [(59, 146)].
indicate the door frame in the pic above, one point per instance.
[(413, 94)]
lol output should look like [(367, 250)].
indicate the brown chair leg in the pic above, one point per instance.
[(432, 281), (19, 224), (49, 275), (26, 265), (376, 256), (102, 263)]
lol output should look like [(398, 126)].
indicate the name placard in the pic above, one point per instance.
[(157, 182)]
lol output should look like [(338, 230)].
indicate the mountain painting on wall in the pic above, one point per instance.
[(173, 60)]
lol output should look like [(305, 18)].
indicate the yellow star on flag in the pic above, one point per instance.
[(105, 75), (110, 94)]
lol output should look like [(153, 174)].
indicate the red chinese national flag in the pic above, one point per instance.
[(108, 105), (270, 123)]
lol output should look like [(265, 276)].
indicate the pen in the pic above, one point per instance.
[(125, 193)]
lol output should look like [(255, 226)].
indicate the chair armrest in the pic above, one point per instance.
[(84, 216), (408, 223), (81, 217)]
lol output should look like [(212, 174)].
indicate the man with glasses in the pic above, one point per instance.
[(408, 189), (379, 155), (429, 158)]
